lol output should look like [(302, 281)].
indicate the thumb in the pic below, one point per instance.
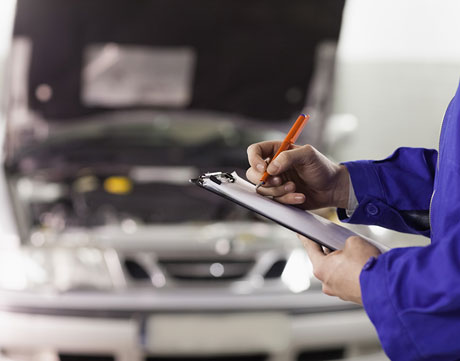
[(291, 157)]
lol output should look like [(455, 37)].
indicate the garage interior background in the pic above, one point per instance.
[(106, 251)]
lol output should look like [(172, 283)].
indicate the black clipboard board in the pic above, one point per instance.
[(312, 226)]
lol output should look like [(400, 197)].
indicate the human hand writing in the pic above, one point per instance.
[(300, 176)]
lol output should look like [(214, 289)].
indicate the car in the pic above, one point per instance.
[(108, 252), (128, 247)]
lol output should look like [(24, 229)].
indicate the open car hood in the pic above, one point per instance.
[(73, 60)]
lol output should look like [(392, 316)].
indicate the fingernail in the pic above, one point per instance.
[(260, 167), (289, 187), (274, 166), (299, 198), (276, 180)]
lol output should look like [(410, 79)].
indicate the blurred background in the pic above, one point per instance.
[(108, 108)]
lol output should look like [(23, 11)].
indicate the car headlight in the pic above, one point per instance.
[(298, 272), (54, 269)]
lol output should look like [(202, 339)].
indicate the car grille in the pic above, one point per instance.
[(205, 269), (135, 270), (276, 270), (201, 269)]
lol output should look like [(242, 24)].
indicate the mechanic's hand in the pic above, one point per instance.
[(300, 175), (339, 270)]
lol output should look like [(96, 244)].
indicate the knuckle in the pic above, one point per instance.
[(353, 240), (326, 290), (308, 151), (307, 148), (251, 149), (317, 272)]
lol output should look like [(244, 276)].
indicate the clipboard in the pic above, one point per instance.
[(310, 225)]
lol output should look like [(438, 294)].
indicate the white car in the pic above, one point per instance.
[(127, 259), (108, 253)]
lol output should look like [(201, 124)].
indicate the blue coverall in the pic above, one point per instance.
[(412, 295)]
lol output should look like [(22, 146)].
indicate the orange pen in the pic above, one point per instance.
[(290, 139)]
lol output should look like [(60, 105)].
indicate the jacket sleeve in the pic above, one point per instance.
[(394, 193), (411, 294)]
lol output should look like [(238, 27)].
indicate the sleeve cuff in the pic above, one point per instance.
[(365, 180), (352, 200)]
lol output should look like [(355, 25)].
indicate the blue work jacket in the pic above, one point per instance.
[(412, 295)]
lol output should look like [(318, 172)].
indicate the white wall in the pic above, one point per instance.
[(398, 67), (6, 20), (403, 30)]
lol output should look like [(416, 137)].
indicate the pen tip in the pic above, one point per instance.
[(260, 184)]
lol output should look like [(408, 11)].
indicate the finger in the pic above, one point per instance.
[(254, 176), (291, 198), (356, 242), (277, 191), (288, 158), (259, 151), (314, 251)]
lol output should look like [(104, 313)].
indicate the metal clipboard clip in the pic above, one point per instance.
[(216, 177)]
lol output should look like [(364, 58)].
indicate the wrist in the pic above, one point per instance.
[(342, 187)]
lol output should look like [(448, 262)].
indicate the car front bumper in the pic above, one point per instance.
[(136, 326)]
